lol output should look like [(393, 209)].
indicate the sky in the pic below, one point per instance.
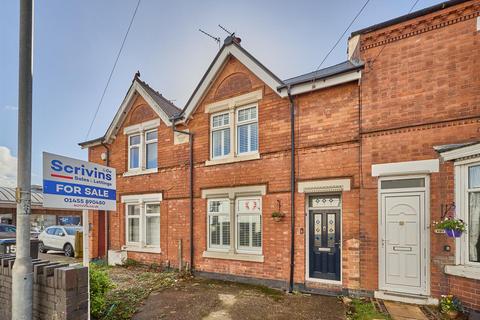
[(76, 42)]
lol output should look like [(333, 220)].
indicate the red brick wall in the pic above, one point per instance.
[(422, 91), (419, 90)]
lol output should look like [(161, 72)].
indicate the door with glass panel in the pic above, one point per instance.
[(325, 237)]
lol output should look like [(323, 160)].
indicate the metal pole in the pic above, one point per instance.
[(86, 250), (22, 273)]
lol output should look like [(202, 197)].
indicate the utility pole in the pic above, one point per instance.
[(22, 273)]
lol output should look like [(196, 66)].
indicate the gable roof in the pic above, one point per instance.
[(164, 108), (230, 48)]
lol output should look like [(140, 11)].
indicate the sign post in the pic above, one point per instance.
[(75, 184)]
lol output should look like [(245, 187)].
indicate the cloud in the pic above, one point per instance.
[(10, 108), (8, 168)]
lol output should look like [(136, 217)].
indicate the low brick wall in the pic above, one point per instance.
[(60, 292)]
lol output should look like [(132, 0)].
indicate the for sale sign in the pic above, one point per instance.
[(75, 184)]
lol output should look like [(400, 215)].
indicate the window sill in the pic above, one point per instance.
[(233, 256), (469, 272), (142, 249), (139, 172), (248, 157)]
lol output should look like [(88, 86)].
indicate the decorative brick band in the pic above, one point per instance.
[(420, 127), (388, 38)]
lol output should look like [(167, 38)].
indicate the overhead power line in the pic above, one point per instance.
[(113, 68), (343, 34)]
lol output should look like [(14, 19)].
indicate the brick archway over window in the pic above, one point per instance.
[(140, 114), (234, 84)]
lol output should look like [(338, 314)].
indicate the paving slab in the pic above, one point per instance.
[(403, 311)]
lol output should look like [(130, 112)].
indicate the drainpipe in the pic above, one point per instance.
[(107, 216), (292, 190), (190, 145)]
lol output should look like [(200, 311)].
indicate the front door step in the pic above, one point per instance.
[(401, 311), (405, 298)]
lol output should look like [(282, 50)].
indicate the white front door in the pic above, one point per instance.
[(403, 242)]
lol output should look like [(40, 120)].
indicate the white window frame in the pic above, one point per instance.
[(222, 127), (142, 201), (462, 192), (231, 195), (147, 142), (234, 155), (130, 147), (250, 249), (221, 247), (141, 129), (127, 229), (239, 123)]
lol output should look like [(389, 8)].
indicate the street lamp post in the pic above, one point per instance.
[(22, 273)]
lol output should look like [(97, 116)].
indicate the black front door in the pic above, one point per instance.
[(325, 247)]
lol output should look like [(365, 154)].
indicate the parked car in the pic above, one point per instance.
[(7, 231), (61, 238)]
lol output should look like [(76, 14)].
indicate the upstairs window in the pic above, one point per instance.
[(234, 134), (134, 151), (151, 142), (220, 135), (247, 130), (142, 151)]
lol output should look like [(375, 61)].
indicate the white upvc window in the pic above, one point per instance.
[(247, 130), (151, 142), (248, 214), (245, 213), (142, 225), (142, 150), (142, 147), (234, 135), (220, 135), (472, 215), (218, 213), (133, 224), (134, 152)]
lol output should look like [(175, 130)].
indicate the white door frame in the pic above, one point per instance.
[(307, 238), (425, 231)]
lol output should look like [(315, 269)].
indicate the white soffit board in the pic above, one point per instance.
[(324, 185), (408, 167), (459, 153)]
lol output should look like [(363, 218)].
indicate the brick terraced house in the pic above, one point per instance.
[(328, 182)]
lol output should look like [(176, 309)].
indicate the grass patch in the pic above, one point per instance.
[(122, 303), (364, 310)]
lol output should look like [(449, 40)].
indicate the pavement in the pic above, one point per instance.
[(58, 256)]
